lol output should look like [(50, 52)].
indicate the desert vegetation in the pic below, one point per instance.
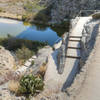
[(23, 49), (27, 85)]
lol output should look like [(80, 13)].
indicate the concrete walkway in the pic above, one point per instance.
[(77, 31), (91, 87), (55, 81)]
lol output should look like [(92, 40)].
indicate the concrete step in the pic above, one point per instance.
[(73, 57), (73, 53), (74, 45), (75, 36), (73, 48), (75, 39)]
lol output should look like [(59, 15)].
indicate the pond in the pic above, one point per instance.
[(28, 31)]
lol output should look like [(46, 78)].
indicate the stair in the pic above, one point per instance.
[(75, 39), (75, 36), (74, 46)]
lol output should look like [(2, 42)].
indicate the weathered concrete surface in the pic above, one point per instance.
[(91, 87), (87, 45), (70, 63), (73, 53), (77, 31), (12, 6)]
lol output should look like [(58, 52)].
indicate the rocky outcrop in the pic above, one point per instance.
[(12, 6), (7, 64), (7, 61), (70, 8)]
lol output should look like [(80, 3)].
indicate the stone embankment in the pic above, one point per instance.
[(64, 8), (10, 16)]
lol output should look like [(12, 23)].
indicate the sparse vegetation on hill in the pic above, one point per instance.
[(30, 10), (30, 85), (24, 49)]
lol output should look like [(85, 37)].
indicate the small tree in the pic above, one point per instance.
[(24, 53)]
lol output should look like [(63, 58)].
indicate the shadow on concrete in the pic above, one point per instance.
[(88, 46), (90, 42), (71, 76), (54, 56)]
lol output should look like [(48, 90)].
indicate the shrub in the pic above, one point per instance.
[(13, 44), (32, 63), (31, 85), (24, 53), (24, 17), (96, 15), (13, 86)]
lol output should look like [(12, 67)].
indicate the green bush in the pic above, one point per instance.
[(13, 44), (24, 17), (96, 15), (32, 63), (1, 10), (31, 85), (24, 53)]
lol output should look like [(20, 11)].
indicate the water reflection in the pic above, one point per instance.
[(46, 35), (29, 31)]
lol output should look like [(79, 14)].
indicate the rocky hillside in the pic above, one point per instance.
[(54, 10), (65, 8), (12, 6), (7, 64)]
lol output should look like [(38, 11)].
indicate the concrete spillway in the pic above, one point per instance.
[(55, 81)]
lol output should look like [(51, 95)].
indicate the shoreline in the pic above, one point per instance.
[(10, 16), (20, 18)]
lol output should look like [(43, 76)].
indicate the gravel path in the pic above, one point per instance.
[(91, 87)]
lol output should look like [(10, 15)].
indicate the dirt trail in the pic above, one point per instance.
[(91, 87)]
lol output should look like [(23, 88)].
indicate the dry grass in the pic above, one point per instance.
[(42, 69), (13, 86)]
